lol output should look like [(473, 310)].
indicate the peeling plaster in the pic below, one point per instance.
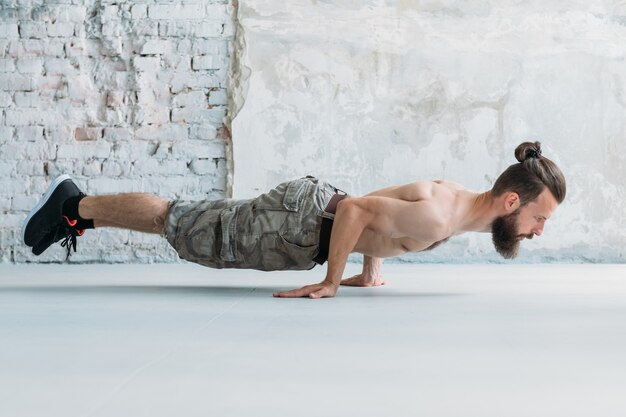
[(374, 93)]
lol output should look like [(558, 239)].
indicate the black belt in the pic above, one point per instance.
[(326, 229)]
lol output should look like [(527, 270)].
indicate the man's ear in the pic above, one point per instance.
[(511, 202)]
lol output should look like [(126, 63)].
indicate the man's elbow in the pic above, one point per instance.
[(349, 208)]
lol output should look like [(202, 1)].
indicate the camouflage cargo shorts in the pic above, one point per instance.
[(278, 230)]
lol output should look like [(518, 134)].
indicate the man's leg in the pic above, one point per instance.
[(64, 212), (136, 211)]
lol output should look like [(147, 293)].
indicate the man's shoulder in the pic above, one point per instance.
[(455, 186)]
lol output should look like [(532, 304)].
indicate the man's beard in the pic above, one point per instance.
[(504, 235)]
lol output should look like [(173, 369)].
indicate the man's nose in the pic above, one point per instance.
[(538, 230)]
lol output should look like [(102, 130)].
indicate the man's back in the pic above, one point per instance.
[(435, 203)]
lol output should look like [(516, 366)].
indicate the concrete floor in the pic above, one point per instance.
[(438, 340)]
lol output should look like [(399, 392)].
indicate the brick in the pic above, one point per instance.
[(32, 48), (164, 185), (6, 134), (39, 151), (202, 132), (11, 220), (5, 204), (146, 28), (202, 166), (153, 47), (51, 82), (80, 90), (36, 30), (206, 62), (229, 29), (30, 65), (191, 11), (170, 133), (218, 12), (84, 150), (35, 99), (184, 48), (147, 63), (194, 149), (92, 168), (132, 151), (21, 117), (160, 167), (11, 187), (116, 185), (193, 81), (87, 133), (8, 14), (117, 133), (55, 66), (7, 168), (207, 29), (29, 134), (116, 98), (112, 169), (139, 11), (110, 12), (31, 168), (4, 43), (23, 203), (209, 47), (190, 99), (80, 47), (152, 115), (163, 151), (64, 166), (71, 13), (174, 29), (9, 31), (202, 116), (59, 134), (112, 29), (218, 97), (5, 99), (60, 29), (7, 65), (178, 62), (16, 82)]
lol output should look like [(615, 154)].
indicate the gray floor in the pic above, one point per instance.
[(439, 340)]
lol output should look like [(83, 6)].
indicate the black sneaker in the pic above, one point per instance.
[(46, 224)]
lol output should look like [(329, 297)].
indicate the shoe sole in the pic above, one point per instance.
[(44, 200)]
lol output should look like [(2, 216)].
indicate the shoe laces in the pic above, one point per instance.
[(70, 232)]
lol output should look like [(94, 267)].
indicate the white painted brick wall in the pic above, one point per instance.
[(123, 96)]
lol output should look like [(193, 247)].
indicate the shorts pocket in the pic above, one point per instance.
[(288, 196), (297, 257), (296, 190), (228, 225)]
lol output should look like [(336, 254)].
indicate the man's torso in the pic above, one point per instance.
[(445, 195)]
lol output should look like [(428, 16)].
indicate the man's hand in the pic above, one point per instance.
[(363, 280), (321, 290)]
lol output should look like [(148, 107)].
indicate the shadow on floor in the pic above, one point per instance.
[(220, 291)]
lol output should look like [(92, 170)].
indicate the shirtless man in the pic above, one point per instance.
[(290, 226)]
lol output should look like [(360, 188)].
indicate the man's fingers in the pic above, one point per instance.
[(301, 292), (311, 291)]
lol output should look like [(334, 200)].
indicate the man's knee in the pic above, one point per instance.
[(159, 219)]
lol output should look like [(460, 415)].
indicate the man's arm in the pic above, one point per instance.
[(390, 217), (350, 220), (369, 277)]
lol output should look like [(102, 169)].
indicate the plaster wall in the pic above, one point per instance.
[(372, 93)]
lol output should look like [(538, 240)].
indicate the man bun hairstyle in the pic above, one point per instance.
[(531, 175)]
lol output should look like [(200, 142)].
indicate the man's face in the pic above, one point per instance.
[(524, 223)]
